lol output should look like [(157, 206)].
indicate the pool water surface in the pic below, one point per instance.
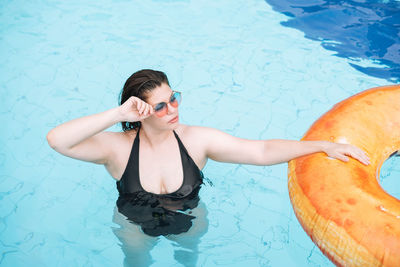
[(239, 69)]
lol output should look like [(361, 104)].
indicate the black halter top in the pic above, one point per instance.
[(159, 214)]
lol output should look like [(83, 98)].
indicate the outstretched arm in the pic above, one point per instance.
[(278, 150), (223, 147)]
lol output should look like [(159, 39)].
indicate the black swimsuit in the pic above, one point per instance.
[(159, 214)]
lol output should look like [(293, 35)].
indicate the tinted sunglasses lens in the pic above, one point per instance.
[(159, 107), (175, 99)]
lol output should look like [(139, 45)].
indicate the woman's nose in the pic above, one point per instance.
[(170, 108)]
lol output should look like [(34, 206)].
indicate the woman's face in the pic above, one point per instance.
[(171, 119)]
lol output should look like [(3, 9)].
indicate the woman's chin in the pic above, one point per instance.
[(174, 125)]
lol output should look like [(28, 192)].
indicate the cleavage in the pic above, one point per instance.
[(160, 169)]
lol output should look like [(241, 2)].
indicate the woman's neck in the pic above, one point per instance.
[(153, 136)]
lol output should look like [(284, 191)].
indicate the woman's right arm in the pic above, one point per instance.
[(84, 139)]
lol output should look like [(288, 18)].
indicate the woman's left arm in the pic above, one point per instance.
[(278, 150), (220, 146)]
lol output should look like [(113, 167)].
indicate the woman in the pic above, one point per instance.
[(171, 155)]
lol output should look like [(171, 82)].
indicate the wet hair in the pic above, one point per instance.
[(139, 84)]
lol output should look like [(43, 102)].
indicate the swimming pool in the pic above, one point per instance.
[(240, 70)]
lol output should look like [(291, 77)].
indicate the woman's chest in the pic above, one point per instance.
[(160, 170)]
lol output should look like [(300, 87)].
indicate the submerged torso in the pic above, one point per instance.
[(159, 214)]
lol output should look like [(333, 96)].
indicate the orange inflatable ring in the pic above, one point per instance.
[(340, 204)]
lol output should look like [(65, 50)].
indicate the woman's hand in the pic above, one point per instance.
[(134, 109), (339, 151)]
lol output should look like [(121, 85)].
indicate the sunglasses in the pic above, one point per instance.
[(161, 108)]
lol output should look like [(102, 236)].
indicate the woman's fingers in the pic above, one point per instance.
[(358, 154), (142, 108), (147, 109), (341, 151), (365, 158), (139, 105), (362, 156), (342, 157), (135, 109)]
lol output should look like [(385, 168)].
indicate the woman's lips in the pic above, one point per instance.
[(174, 119)]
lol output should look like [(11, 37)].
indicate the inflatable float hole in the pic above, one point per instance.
[(390, 175)]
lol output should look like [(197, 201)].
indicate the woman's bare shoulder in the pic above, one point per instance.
[(117, 141), (120, 135), (194, 141), (191, 130), (196, 134)]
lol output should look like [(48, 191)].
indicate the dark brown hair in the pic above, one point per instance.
[(139, 84)]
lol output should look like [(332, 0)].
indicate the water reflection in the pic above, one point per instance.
[(357, 30), (136, 245)]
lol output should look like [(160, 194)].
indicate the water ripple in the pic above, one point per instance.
[(365, 32)]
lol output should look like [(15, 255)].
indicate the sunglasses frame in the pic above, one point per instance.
[(165, 103)]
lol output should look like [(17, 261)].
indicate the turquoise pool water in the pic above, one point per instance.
[(240, 71)]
